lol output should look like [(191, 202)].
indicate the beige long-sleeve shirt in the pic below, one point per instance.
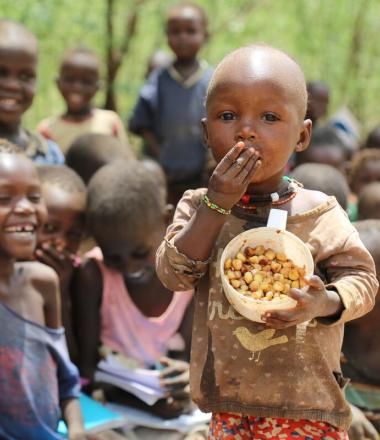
[(244, 367)]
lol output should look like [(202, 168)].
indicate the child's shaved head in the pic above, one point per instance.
[(91, 151), (187, 9), (14, 35), (369, 202), (266, 63), (81, 55)]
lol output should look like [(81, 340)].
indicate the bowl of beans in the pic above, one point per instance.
[(260, 266)]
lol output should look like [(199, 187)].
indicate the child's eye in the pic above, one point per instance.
[(27, 77), (3, 72), (35, 198), (67, 79), (4, 198), (270, 117), (89, 83), (227, 116), (140, 253)]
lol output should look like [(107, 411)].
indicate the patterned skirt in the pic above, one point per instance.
[(226, 426)]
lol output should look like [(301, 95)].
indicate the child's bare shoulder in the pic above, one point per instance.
[(40, 274)]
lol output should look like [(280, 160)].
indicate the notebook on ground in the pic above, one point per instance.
[(143, 383), (97, 417), (145, 393)]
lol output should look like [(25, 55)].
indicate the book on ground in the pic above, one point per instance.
[(143, 383), (96, 417), (145, 376)]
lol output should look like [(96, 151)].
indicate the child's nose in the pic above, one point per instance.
[(24, 206), (246, 132), (11, 83)]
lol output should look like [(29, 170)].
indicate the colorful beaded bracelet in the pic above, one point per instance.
[(214, 206)]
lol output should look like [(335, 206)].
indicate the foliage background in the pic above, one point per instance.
[(334, 40)]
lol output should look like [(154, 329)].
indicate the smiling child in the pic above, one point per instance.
[(18, 72), (78, 82), (37, 379)]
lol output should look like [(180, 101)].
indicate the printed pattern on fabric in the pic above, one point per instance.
[(235, 427), (242, 367), (35, 375)]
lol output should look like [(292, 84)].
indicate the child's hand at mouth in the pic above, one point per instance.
[(232, 175)]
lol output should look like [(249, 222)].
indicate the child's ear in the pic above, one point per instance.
[(169, 212), (305, 136), (205, 132)]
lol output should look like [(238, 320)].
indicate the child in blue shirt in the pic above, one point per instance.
[(171, 104)]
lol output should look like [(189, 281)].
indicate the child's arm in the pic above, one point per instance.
[(87, 298), (351, 279), (72, 416), (143, 119), (119, 132), (47, 282), (183, 257), (316, 302), (54, 255), (151, 142), (175, 372)]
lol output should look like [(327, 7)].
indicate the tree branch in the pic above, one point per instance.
[(116, 55)]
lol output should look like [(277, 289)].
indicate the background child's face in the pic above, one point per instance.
[(78, 82), (128, 254), (17, 83), (319, 99), (370, 172), (186, 33), (66, 217), (258, 112), (22, 210)]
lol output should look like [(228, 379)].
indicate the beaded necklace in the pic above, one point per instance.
[(250, 202)]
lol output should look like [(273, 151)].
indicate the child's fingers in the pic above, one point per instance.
[(255, 166), (58, 254), (53, 253), (289, 315), (240, 166), (174, 370), (168, 371), (181, 394), (248, 166), (45, 258), (179, 381), (164, 360), (315, 283), (297, 294), (277, 321), (230, 158)]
